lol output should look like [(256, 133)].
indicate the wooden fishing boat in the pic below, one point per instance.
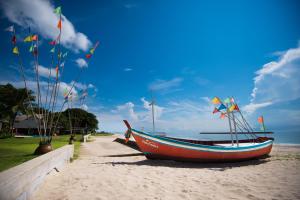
[(162, 147)]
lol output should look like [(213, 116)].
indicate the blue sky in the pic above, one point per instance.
[(186, 51)]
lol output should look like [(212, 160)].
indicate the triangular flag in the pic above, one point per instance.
[(52, 42), (57, 10), (10, 29), (59, 55), (65, 54), (28, 39), (92, 50), (59, 24), (57, 70), (15, 50), (222, 107), (31, 48), (232, 100), (88, 56), (62, 64), (52, 50), (232, 108), (260, 120), (216, 100), (222, 116), (34, 37), (227, 101), (215, 110), (236, 108), (14, 39)]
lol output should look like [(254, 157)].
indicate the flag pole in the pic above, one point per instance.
[(229, 120)]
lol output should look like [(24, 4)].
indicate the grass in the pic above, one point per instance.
[(14, 151)]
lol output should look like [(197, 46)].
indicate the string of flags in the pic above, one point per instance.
[(227, 104)]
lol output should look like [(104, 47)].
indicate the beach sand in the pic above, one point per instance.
[(103, 171)]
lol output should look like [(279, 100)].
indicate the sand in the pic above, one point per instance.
[(96, 176)]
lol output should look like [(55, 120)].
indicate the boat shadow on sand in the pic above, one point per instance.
[(180, 164)]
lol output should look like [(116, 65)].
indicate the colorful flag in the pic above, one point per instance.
[(232, 100), (222, 116), (15, 50), (227, 101), (57, 70), (260, 119), (59, 24), (236, 108), (52, 42), (59, 55), (65, 54), (216, 100), (88, 56), (62, 64), (10, 29), (28, 38), (31, 48), (52, 50), (222, 107), (14, 39), (92, 50), (34, 37), (215, 110), (232, 108), (57, 10)]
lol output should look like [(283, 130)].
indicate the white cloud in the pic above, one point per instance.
[(81, 62), (40, 17), (277, 81), (84, 107), (46, 72), (127, 110), (165, 84)]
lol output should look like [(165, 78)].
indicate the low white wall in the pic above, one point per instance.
[(86, 137), (21, 181)]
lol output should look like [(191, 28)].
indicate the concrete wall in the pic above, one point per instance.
[(86, 137), (21, 181)]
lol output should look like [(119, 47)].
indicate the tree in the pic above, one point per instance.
[(14, 100), (79, 118)]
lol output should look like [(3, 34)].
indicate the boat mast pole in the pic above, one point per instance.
[(234, 123), (229, 120)]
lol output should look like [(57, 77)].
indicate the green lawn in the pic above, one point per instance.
[(14, 151)]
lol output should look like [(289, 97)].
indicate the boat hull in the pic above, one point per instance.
[(156, 147)]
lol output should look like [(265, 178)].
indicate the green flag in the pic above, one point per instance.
[(57, 10), (31, 48), (52, 50)]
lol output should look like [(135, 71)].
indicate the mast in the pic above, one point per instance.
[(229, 121), (234, 123)]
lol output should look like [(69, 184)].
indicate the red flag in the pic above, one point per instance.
[(260, 120), (52, 42), (34, 38), (215, 110), (14, 39), (88, 56), (236, 108), (222, 116), (59, 24)]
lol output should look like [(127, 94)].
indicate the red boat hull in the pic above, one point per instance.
[(157, 148)]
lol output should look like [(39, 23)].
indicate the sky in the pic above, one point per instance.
[(185, 52)]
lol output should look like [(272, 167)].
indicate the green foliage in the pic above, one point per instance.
[(79, 118), (12, 101)]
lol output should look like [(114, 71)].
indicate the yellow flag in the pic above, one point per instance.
[(15, 50), (232, 108), (28, 39), (216, 100)]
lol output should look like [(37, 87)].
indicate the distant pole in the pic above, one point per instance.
[(152, 105)]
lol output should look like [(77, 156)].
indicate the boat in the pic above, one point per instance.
[(169, 148), (163, 147)]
